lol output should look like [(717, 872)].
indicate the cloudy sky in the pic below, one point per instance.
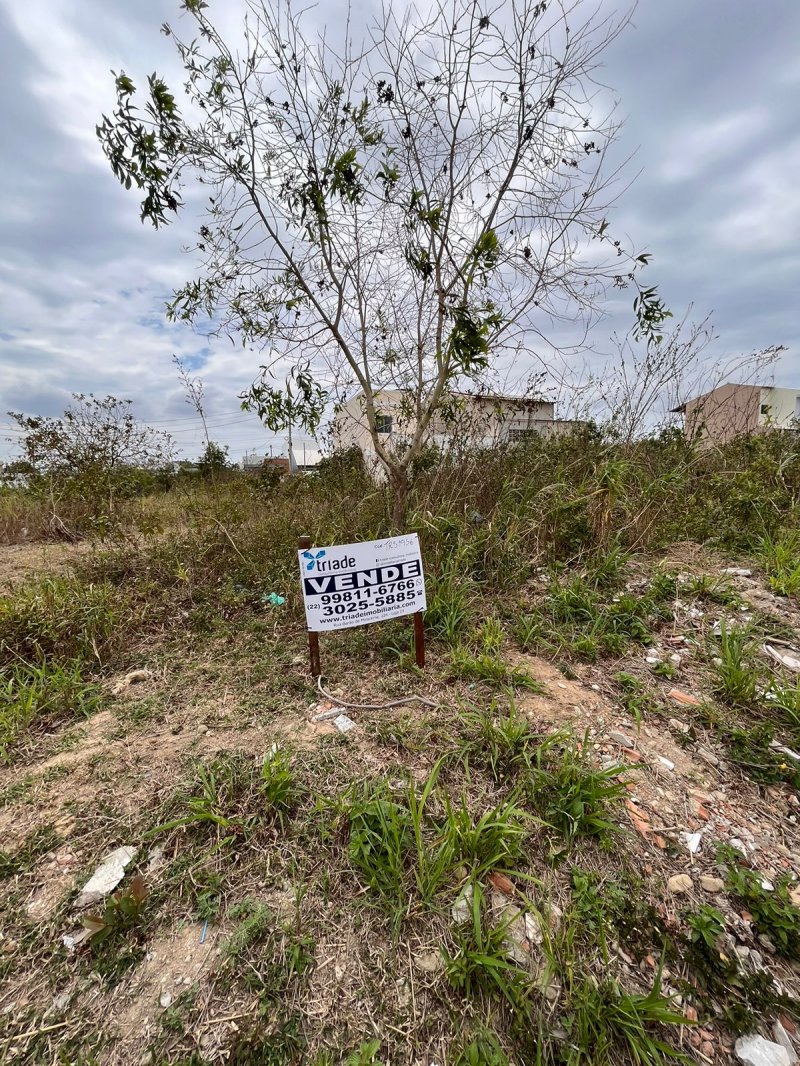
[(710, 92)]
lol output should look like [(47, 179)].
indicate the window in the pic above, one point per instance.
[(764, 408), (383, 423)]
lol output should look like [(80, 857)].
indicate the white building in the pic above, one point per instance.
[(472, 419)]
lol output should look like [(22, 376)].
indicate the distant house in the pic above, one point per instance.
[(731, 411), (476, 419), (302, 458)]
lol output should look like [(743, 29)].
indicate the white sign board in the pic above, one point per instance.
[(350, 584)]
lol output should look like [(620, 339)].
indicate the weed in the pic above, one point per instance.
[(278, 786), (268, 957), (493, 842), (780, 557), (602, 1019), (490, 637), (773, 911), (227, 797), (208, 898), (254, 923), (713, 589), (364, 1055), (736, 678), (38, 843), (449, 606), (501, 741), (637, 701), (585, 620), (741, 998), (122, 912), (380, 838), (573, 797), (483, 1050), (785, 699), (491, 670), (41, 695), (479, 963), (596, 905), (706, 926), (60, 618), (752, 749)]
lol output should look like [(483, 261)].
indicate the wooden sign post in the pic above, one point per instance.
[(313, 638)]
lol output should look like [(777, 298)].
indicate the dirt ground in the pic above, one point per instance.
[(91, 782)]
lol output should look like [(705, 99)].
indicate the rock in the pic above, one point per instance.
[(683, 697), (712, 884), (785, 1041), (429, 962), (202, 729), (767, 944), (462, 908), (754, 1050), (707, 756), (791, 662), (106, 877), (666, 762), (621, 739), (343, 723), (678, 726), (737, 571), (707, 1049), (794, 895), (680, 883), (165, 999), (135, 677), (513, 922), (155, 860)]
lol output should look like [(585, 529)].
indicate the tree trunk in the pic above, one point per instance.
[(400, 489)]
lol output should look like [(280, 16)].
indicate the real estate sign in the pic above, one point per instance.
[(350, 584)]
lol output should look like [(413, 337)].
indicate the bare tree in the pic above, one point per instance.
[(391, 212), (648, 380)]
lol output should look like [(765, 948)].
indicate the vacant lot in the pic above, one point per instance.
[(573, 839)]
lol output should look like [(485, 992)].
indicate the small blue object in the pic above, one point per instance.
[(274, 600), (203, 933)]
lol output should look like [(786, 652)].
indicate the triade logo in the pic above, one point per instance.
[(312, 559)]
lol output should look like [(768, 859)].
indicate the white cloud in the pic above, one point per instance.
[(701, 147)]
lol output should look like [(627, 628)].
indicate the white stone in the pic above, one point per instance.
[(756, 1051), (107, 876), (712, 884), (680, 883), (621, 739), (785, 1041), (343, 723), (462, 908), (666, 762)]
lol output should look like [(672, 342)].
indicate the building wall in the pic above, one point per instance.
[(477, 419), (723, 414), (783, 407)]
